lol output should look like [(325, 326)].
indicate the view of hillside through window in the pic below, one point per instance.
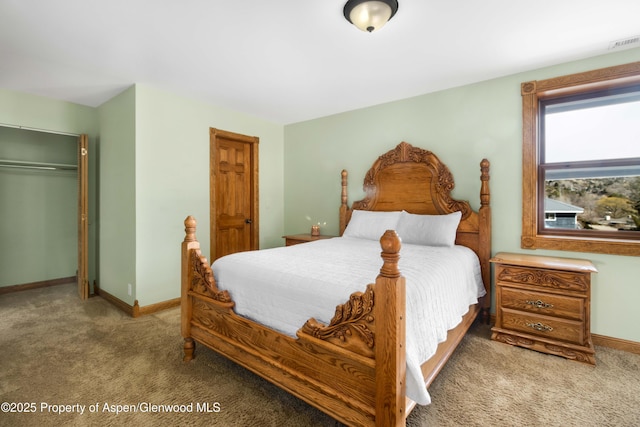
[(606, 204), (590, 161)]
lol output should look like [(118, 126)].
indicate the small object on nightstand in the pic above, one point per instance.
[(315, 230), (294, 239), (544, 304)]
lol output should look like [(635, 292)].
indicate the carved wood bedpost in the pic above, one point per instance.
[(344, 206), (485, 234), (390, 352), (188, 244)]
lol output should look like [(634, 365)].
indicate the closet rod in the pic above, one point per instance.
[(38, 130), (36, 165)]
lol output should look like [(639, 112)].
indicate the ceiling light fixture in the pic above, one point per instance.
[(370, 15)]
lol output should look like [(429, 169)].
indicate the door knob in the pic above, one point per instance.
[(248, 221)]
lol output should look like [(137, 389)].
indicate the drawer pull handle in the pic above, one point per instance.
[(540, 327), (539, 304)]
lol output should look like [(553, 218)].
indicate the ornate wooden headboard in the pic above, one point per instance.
[(415, 180)]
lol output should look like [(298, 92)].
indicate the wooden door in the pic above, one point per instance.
[(83, 219), (234, 193)]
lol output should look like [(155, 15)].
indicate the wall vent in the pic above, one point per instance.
[(625, 43)]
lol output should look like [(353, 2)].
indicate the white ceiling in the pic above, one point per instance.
[(291, 60)]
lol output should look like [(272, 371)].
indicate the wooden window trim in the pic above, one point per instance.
[(532, 92)]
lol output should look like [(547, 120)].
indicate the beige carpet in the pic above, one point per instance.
[(57, 350)]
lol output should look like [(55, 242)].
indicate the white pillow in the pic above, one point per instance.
[(429, 230), (371, 224)]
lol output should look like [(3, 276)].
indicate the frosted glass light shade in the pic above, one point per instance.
[(370, 15)]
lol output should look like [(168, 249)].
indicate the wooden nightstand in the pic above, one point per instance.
[(295, 239), (544, 303)]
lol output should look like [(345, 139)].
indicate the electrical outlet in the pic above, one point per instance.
[(129, 289)]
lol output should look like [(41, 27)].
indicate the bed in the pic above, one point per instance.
[(356, 365)]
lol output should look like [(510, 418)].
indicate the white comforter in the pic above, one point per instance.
[(283, 287)]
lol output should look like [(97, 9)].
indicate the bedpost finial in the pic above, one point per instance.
[(484, 167), (484, 178), (190, 229), (390, 244), (343, 195)]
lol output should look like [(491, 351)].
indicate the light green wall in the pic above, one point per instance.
[(35, 112), (461, 125), (172, 182), (117, 196)]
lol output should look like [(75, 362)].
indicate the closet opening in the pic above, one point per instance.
[(43, 209)]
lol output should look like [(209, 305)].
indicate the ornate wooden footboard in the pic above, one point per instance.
[(353, 369)]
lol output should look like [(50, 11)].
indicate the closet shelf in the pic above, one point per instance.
[(36, 165)]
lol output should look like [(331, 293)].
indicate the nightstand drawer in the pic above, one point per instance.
[(296, 239), (542, 303), (291, 242), (544, 326), (552, 279)]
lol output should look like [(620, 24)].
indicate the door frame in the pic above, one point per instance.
[(83, 217), (252, 141)]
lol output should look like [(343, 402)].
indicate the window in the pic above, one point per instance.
[(581, 162)]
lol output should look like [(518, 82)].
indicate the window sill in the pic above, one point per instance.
[(578, 244)]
